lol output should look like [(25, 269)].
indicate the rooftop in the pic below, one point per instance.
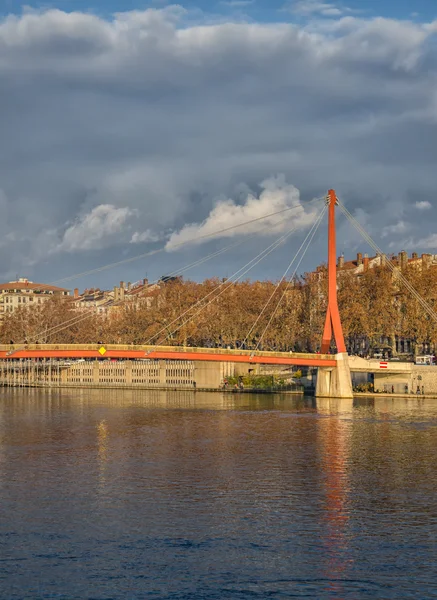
[(396, 260), (25, 284)]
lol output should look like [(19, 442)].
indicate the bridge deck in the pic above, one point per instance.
[(114, 351)]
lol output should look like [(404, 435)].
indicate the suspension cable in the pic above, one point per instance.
[(196, 263), (428, 309), (315, 225), (270, 249), (179, 244), (81, 317), (308, 240), (226, 284)]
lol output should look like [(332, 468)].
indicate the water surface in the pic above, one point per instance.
[(109, 495)]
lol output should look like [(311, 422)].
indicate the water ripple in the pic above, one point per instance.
[(108, 495)]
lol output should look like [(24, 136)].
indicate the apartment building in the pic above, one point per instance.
[(105, 302), (93, 299), (363, 262), (26, 293)]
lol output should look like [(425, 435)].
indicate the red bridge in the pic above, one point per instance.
[(333, 375), (111, 351)]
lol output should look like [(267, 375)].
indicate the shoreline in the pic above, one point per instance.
[(394, 395), (168, 388), (172, 388)]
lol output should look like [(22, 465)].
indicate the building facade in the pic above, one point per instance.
[(401, 261), (22, 293)]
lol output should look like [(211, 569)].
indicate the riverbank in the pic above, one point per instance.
[(175, 388), (167, 388), (387, 395)]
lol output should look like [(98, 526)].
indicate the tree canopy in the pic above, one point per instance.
[(265, 314)]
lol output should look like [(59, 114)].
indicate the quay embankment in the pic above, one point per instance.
[(431, 396), (369, 377), (393, 378), (144, 374), (298, 391)]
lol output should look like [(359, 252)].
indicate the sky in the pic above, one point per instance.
[(131, 127)]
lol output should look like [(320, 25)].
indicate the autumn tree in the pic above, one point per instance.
[(49, 322), (415, 322), (313, 311), (375, 309)]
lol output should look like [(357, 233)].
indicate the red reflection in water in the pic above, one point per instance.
[(335, 448)]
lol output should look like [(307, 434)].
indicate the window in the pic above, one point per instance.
[(30, 298)]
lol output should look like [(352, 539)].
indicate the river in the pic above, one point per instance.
[(182, 495)]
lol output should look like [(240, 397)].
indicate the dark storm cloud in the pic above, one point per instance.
[(122, 131)]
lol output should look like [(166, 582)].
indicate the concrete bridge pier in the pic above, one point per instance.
[(335, 382)]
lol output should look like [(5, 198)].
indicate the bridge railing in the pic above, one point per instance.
[(148, 349)]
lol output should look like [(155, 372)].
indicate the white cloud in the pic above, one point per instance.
[(423, 205), (147, 236), (426, 243), (237, 3), (276, 196), (96, 229), (399, 227), (429, 242), (161, 117), (309, 8)]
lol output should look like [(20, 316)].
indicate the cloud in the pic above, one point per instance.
[(276, 196), (159, 118), (429, 242), (308, 8), (422, 205), (96, 229), (237, 3), (426, 243), (147, 236), (399, 227)]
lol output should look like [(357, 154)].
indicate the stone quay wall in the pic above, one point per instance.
[(179, 374), (416, 376)]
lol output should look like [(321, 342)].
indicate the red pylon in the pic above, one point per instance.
[(332, 322)]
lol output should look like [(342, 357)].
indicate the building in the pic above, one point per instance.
[(363, 262), (94, 299), (106, 302), (26, 293), (141, 293)]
